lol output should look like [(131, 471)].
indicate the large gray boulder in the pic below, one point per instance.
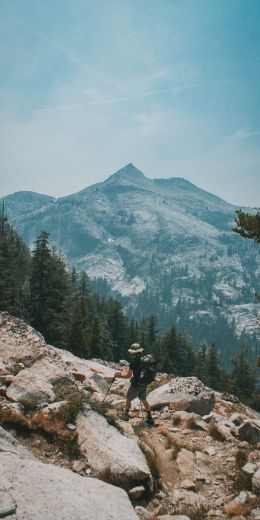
[(111, 455), (30, 386), (183, 393), (256, 482), (250, 431), (47, 492), (31, 368)]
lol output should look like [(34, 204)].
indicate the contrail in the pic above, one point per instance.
[(123, 99)]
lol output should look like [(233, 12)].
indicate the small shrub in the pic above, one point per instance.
[(30, 404), (5, 414), (176, 420), (152, 386), (75, 400), (15, 369), (69, 446), (190, 423), (241, 480), (241, 458), (216, 433)]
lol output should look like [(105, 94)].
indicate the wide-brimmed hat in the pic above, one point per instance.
[(135, 348)]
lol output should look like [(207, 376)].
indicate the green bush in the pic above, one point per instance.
[(75, 399)]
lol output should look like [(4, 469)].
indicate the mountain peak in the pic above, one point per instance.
[(129, 171)]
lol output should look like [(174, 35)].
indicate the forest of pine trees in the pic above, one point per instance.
[(60, 303)]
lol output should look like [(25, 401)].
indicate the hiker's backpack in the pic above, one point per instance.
[(148, 366)]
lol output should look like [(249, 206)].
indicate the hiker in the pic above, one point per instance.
[(138, 385)]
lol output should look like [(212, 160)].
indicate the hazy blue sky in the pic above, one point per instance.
[(170, 85)]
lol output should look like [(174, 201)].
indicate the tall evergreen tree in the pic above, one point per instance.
[(14, 268), (242, 377), (77, 330), (49, 286), (118, 327), (201, 364), (214, 374), (169, 356), (151, 331), (248, 225)]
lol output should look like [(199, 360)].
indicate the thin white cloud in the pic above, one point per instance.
[(68, 53), (244, 133), (111, 101)]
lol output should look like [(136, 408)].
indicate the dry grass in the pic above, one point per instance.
[(171, 443), (151, 459), (215, 433), (176, 421), (100, 407), (238, 509), (12, 416), (190, 423), (241, 480)]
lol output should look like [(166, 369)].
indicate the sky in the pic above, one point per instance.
[(172, 86)]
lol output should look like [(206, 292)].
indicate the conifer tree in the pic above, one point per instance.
[(242, 377), (214, 374), (14, 268), (49, 287), (77, 332), (118, 327), (151, 331), (169, 357), (201, 368), (248, 225)]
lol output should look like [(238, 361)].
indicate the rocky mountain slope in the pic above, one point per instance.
[(162, 245), (65, 453)]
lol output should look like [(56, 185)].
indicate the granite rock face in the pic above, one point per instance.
[(110, 454), (38, 490), (256, 482), (250, 431), (183, 393)]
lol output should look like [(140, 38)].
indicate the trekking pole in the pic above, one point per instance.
[(108, 389)]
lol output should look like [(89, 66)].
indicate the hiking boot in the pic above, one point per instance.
[(125, 416), (150, 420)]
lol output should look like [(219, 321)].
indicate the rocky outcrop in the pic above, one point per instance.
[(256, 481), (179, 469), (183, 393), (38, 490), (250, 431), (112, 456)]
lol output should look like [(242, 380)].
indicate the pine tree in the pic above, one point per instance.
[(169, 358), (77, 331), (49, 290), (201, 368), (151, 331), (242, 378), (214, 375), (248, 225), (118, 327), (14, 269)]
